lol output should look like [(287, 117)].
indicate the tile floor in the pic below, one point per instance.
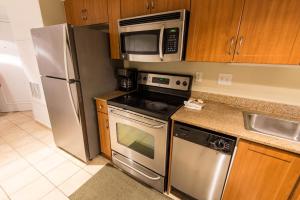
[(32, 167)]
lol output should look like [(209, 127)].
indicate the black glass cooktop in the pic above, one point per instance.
[(153, 104)]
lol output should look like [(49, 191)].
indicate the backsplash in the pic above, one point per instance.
[(275, 83)]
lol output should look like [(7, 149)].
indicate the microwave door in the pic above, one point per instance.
[(142, 43)]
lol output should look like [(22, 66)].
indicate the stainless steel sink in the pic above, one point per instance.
[(272, 126)]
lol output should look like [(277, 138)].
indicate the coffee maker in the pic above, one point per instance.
[(127, 79)]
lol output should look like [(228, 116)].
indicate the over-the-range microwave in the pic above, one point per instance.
[(157, 37)]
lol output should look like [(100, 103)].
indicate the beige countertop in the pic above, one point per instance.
[(111, 95), (229, 120)]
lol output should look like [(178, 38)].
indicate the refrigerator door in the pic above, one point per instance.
[(53, 46), (63, 100), (96, 76)]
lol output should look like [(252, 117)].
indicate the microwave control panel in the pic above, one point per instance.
[(171, 40)]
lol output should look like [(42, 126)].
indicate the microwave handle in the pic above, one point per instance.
[(161, 39)]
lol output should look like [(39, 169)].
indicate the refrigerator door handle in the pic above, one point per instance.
[(69, 81)]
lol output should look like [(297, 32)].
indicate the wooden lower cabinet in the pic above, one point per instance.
[(264, 173), (104, 134)]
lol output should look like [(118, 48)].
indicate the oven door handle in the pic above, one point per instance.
[(137, 171), (161, 39), (137, 121)]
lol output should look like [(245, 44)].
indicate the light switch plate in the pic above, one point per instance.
[(198, 77), (225, 79)]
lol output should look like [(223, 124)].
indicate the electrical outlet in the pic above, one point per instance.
[(225, 79), (198, 77)]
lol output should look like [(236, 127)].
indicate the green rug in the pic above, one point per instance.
[(110, 184)]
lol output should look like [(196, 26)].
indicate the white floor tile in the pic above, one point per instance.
[(93, 169), (21, 141), (48, 140), (3, 195), (8, 157), (31, 126), (62, 172), (55, 195), (19, 180), (49, 163), (30, 148), (73, 183), (5, 124), (41, 133), (35, 190), (5, 148), (12, 168), (39, 155), (77, 162)]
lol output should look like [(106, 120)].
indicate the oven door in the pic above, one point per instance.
[(139, 138), (146, 42)]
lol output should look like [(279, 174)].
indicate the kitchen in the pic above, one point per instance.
[(182, 99)]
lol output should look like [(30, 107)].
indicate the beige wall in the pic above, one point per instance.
[(276, 83), (52, 11)]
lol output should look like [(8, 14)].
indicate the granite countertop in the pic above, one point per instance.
[(229, 120), (111, 95)]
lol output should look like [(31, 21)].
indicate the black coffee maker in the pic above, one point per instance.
[(127, 79)]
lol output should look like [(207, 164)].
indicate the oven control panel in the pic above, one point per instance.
[(176, 82)]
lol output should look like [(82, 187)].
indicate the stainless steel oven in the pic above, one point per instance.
[(154, 38), (136, 137)]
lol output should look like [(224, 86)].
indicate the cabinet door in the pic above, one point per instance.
[(268, 31), (213, 30), (96, 11), (74, 12), (295, 55), (261, 172), (168, 5), (114, 14), (104, 134), (132, 8)]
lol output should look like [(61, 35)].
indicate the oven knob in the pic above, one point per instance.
[(178, 82), (184, 83)]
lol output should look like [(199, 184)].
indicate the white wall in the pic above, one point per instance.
[(14, 91), (25, 15)]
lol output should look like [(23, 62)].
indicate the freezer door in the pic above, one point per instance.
[(63, 103), (54, 51)]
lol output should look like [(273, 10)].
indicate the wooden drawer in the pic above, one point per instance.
[(101, 106)]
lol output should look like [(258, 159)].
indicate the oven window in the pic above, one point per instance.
[(142, 42), (136, 139)]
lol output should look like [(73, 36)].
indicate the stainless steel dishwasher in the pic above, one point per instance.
[(200, 162)]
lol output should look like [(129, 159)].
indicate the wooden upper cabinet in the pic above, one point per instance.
[(295, 55), (86, 12), (74, 11), (168, 5), (213, 30), (132, 8), (268, 31), (96, 11), (114, 14), (265, 173)]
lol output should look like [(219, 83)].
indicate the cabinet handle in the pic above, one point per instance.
[(294, 189), (147, 5), (107, 124), (152, 4), (100, 107), (238, 51), (231, 43), (85, 14)]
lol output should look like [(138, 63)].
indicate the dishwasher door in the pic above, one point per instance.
[(197, 170)]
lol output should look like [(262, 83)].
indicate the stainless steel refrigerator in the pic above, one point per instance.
[(75, 67)]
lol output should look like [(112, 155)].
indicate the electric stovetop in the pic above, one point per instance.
[(153, 104)]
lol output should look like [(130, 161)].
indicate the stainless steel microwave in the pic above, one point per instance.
[(154, 38)]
